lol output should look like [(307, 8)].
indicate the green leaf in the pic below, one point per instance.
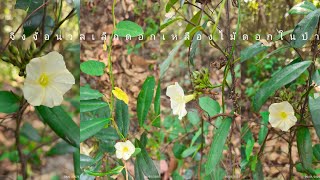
[(306, 25), (124, 28), (209, 105), (217, 145), (138, 174), (93, 67), (114, 171), (195, 20), (136, 151), (264, 126), (252, 51), (109, 134), (189, 151), (258, 173), (314, 106), (178, 149), (32, 24), (170, 4), (169, 22), (166, 63), (278, 80), (249, 148), (196, 136), (122, 117), (316, 151), (61, 123), (76, 163), (91, 105), (86, 93), (194, 45), (303, 8), (304, 144), (77, 5), (192, 32), (157, 104), (29, 132), (193, 116), (86, 161), (91, 127), (145, 99), (9, 102), (316, 77), (34, 21), (61, 148), (280, 49), (146, 163), (282, 35), (300, 168)]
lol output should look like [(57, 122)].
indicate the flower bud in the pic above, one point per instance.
[(13, 50)]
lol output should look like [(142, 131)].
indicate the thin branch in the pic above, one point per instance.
[(24, 20)]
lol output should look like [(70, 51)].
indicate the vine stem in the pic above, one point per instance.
[(22, 158), (109, 57), (24, 20)]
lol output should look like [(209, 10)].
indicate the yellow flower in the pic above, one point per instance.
[(121, 95), (282, 115), (47, 80), (178, 100), (124, 150)]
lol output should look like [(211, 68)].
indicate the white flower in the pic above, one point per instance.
[(124, 150), (282, 115), (47, 80), (178, 100)]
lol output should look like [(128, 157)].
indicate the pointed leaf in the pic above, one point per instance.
[(9, 102), (91, 127), (122, 117), (124, 28), (209, 105), (304, 8), (278, 80), (252, 50), (61, 123), (146, 163), (217, 145), (93, 67), (86, 93), (304, 144), (91, 105), (145, 99), (306, 25), (314, 106)]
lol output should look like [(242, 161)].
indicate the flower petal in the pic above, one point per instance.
[(275, 108), (118, 145), (287, 107), (33, 93), (130, 147), (119, 154), (275, 121), (175, 91), (34, 69), (292, 118), (62, 81), (126, 156), (53, 62), (53, 97)]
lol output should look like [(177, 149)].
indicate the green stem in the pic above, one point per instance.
[(109, 57)]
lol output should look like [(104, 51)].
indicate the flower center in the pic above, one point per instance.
[(125, 149), (43, 80), (283, 115)]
